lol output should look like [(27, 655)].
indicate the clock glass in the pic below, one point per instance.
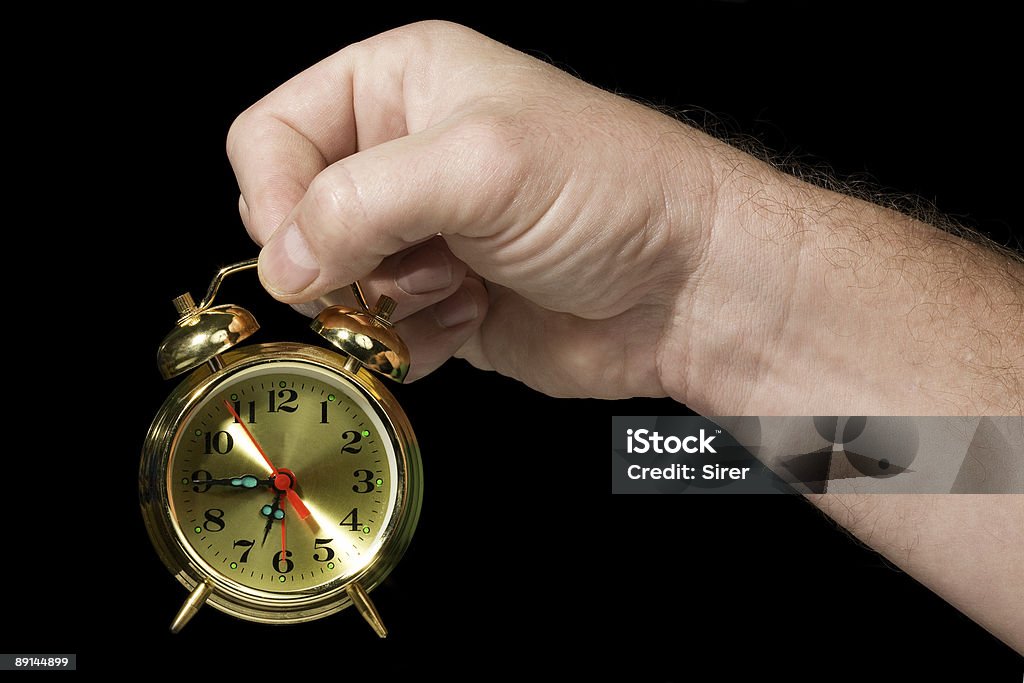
[(283, 479)]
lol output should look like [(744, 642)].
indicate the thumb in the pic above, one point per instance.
[(462, 179)]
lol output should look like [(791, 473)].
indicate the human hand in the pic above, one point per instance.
[(429, 159), (590, 246)]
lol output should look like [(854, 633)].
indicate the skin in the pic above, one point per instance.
[(589, 246)]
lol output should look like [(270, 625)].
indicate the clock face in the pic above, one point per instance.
[(283, 479)]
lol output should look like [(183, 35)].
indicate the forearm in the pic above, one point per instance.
[(966, 548), (811, 298), (815, 302)]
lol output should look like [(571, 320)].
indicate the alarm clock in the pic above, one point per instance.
[(280, 482)]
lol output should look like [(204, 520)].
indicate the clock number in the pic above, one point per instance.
[(283, 566), (247, 544), (321, 544), (199, 478), (323, 412), (292, 395), (214, 520), (252, 411), (354, 516), (219, 442), (367, 480), (353, 438)]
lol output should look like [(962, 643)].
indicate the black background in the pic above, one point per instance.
[(523, 560)]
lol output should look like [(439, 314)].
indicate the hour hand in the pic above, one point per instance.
[(271, 512), (245, 481)]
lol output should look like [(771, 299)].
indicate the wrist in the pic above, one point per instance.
[(725, 350), (810, 301)]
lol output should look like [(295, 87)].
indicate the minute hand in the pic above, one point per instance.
[(246, 481), (293, 497)]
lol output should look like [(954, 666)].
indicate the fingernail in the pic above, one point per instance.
[(286, 263), (459, 308), (423, 270)]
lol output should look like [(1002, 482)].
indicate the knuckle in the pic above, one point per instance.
[(252, 128), (494, 161), (438, 28), (239, 132), (496, 145), (421, 38)]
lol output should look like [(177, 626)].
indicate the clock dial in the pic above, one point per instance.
[(322, 439)]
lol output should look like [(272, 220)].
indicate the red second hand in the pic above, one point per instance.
[(284, 504), (297, 503), (231, 409)]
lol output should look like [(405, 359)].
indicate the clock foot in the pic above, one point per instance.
[(192, 604), (366, 607)]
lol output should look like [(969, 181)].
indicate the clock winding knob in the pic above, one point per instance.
[(384, 308), (184, 305)]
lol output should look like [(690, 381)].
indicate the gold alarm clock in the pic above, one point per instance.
[(280, 482)]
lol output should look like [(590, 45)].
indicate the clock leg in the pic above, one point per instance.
[(366, 607), (192, 604)]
